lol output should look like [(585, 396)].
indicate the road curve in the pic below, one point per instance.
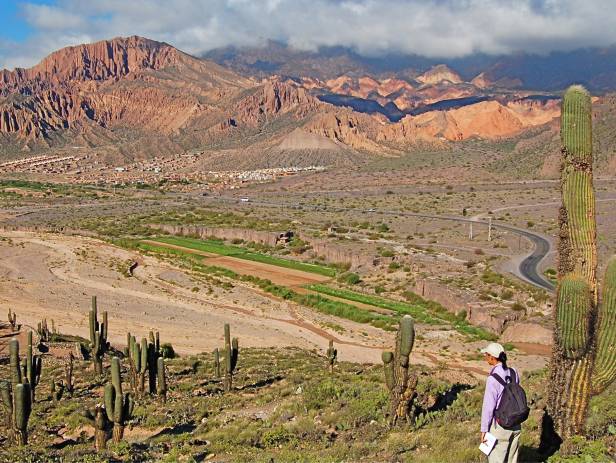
[(528, 269)]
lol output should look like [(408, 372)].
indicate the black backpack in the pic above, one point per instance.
[(512, 409)]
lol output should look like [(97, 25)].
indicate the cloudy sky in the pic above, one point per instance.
[(30, 29)]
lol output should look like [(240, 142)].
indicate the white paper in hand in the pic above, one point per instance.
[(487, 446)]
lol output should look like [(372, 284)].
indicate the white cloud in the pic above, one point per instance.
[(434, 28)]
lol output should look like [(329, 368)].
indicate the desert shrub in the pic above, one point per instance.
[(167, 350), (386, 253), (394, 266), (350, 278)]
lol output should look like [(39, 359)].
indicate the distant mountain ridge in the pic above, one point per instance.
[(593, 67)]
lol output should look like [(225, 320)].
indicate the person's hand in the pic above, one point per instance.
[(483, 437)]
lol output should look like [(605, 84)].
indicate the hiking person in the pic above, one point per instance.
[(504, 406)]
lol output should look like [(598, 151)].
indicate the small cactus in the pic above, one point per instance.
[(332, 355), (68, 374), (401, 382), (118, 406), (217, 362), (101, 423), (231, 355), (56, 390), (98, 337)]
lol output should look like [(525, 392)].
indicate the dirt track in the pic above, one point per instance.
[(53, 276)]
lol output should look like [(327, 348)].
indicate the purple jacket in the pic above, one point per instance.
[(492, 396)]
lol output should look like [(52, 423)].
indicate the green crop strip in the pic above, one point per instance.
[(421, 310), (218, 247)]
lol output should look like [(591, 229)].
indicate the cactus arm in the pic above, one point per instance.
[(144, 355), (228, 367), (407, 338), (92, 319), (573, 316), (15, 363), (235, 350), (104, 327), (161, 378), (109, 400), (22, 410), (388, 366), (605, 358)]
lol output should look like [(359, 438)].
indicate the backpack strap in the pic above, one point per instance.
[(499, 379), (509, 379)]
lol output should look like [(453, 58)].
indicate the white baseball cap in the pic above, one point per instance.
[(494, 349)]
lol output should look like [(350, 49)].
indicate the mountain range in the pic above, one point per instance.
[(133, 98)]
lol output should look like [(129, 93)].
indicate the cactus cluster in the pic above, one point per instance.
[(17, 396), (230, 354), (98, 337), (43, 331), (118, 406), (401, 382), (584, 356), (144, 361), (332, 355)]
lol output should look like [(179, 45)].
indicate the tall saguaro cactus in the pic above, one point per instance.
[(16, 398), (98, 337), (231, 355), (584, 355), (118, 406), (401, 382)]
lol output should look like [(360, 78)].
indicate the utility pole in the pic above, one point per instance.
[(470, 235)]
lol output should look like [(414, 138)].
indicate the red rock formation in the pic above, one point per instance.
[(132, 82), (275, 98), (108, 59)]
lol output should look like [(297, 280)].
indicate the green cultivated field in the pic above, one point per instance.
[(423, 311), (218, 247)]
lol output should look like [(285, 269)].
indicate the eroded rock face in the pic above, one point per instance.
[(108, 59), (273, 98), (132, 82)]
